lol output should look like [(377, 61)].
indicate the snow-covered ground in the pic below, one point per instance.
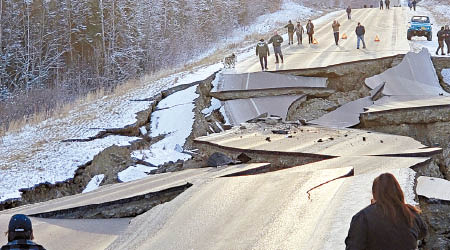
[(35, 154)]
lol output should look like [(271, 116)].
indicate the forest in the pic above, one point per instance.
[(53, 51)]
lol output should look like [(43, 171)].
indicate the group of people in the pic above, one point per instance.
[(412, 4), (443, 36), (387, 3), (387, 223), (262, 48)]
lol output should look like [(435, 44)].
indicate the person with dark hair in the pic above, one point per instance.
[(290, 28), (360, 31), (388, 223), (310, 31), (20, 234), (414, 3), (381, 4), (276, 41), (387, 3), (447, 38), (262, 50), (349, 12), (441, 37)]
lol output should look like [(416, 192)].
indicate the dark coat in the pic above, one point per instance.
[(22, 245), (360, 30), (262, 49), (290, 27), (447, 35), (276, 40), (349, 10), (310, 28), (370, 229), (441, 35)]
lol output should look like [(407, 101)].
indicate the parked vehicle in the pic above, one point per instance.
[(420, 26)]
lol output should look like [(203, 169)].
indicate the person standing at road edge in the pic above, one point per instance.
[(20, 234), (310, 31), (299, 32), (290, 28), (414, 3), (335, 27), (349, 11), (388, 222), (381, 4), (387, 3), (360, 31), (441, 37), (276, 41), (262, 50), (447, 38)]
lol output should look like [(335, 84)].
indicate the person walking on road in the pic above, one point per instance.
[(299, 33), (349, 11), (310, 31), (441, 37), (335, 27), (20, 234), (262, 50), (447, 38), (387, 3), (276, 41), (388, 222), (290, 28), (381, 4), (360, 31), (414, 3)]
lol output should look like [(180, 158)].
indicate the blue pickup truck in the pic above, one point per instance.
[(420, 26)]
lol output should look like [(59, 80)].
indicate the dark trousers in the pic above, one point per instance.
[(336, 37), (310, 38), (349, 16), (263, 62), (414, 6), (381, 6), (441, 46), (447, 42)]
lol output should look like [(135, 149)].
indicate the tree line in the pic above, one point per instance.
[(84, 44)]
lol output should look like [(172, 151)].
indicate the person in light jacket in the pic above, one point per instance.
[(299, 32)]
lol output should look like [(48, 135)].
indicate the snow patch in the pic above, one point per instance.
[(214, 105), (446, 75), (135, 173), (94, 183)]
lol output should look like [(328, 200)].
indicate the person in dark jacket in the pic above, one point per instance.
[(335, 27), (447, 38), (387, 3), (349, 11), (290, 28), (414, 3), (360, 31), (20, 234), (310, 31), (276, 41), (381, 4), (262, 50), (299, 32), (388, 223), (441, 37)]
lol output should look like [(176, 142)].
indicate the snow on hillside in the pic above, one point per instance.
[(35, 154)]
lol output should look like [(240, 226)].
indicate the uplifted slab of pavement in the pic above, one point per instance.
[(414, 76)]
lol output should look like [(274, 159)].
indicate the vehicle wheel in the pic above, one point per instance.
[(429, 37), (408, 35)]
